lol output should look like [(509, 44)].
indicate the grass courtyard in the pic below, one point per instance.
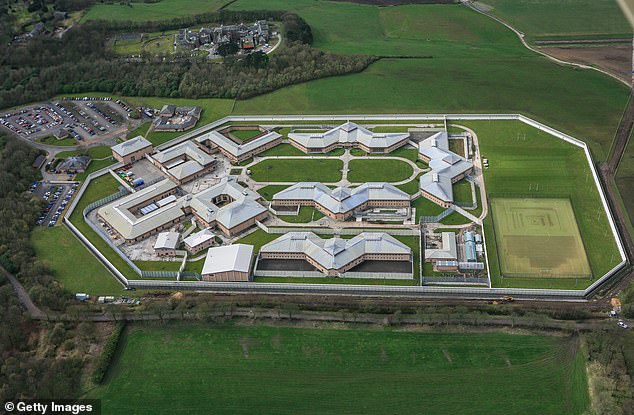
[(237, 369), (378, 170), (297, 170)]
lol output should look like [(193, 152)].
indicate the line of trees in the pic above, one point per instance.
[(37, 360), (81, 62)]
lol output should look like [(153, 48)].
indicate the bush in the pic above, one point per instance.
[(108, 353)]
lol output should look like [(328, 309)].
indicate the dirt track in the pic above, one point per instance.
[(616, 59)]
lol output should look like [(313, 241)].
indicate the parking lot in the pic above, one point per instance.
[(78, 118), (56, 198)]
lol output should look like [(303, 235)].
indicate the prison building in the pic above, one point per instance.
[(144, 213), (199, 241), (446, 167), (342, 202), (447, 251), (446, 266), (335, 256), (166, 244), (470, 246), (228, 263), (132, 150), (184, 162), (228, 206), (237, 152), (348, 135)]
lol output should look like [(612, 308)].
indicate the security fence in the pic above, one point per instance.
[(437, 218)]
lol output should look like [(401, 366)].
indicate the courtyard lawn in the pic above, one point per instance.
[(378, 170), (306, 214), (269, 191), (462, 192), (520, 159), (412, 187), (144, 11), (282, 150), (71, 263), (425, 207), (257, 239), (195, 369), (297, 170), (158, 265), (245, 135)]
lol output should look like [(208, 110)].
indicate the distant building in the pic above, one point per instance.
[(246, 37), (166, 243), (61, 133), (74, 164), (335, 256), (173, 118), (228, 263), (132, 150)]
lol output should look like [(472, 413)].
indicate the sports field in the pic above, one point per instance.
[(232, 369), (524, 163), (538, 238), (297, 170), (378, 170)]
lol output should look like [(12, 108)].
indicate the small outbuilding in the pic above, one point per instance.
[(199, 241), (166, 243), (228, 263), (132, 150)]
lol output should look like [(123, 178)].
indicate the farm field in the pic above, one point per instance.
[(504, 78), (195, 369), (54, 246), (297, 170), (522, 157), (545, 18), (161, 10), (538, 238), (377, 170)]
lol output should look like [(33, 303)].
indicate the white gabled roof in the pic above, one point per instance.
[(131, 226), (335, 253), (448, 252), (341, 199), (243, 207), (234, 148), (348, 132), (188, 150), (198, 238), (444, 164), (167, 240), (128, 147), (228, 258)]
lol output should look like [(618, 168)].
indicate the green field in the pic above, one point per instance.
[(161, 10), (545, 18), (232, 369), (470, 52), (97, 152), (52, 141), (378, 170), (245, 135), (520, 159), (83, 273), (297, 170), (160, 43), (269, 191), (538, 238), (625, 181)]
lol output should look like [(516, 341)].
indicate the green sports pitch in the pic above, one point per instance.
[(539, 237)]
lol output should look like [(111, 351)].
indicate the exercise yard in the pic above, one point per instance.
[(539, 238)]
